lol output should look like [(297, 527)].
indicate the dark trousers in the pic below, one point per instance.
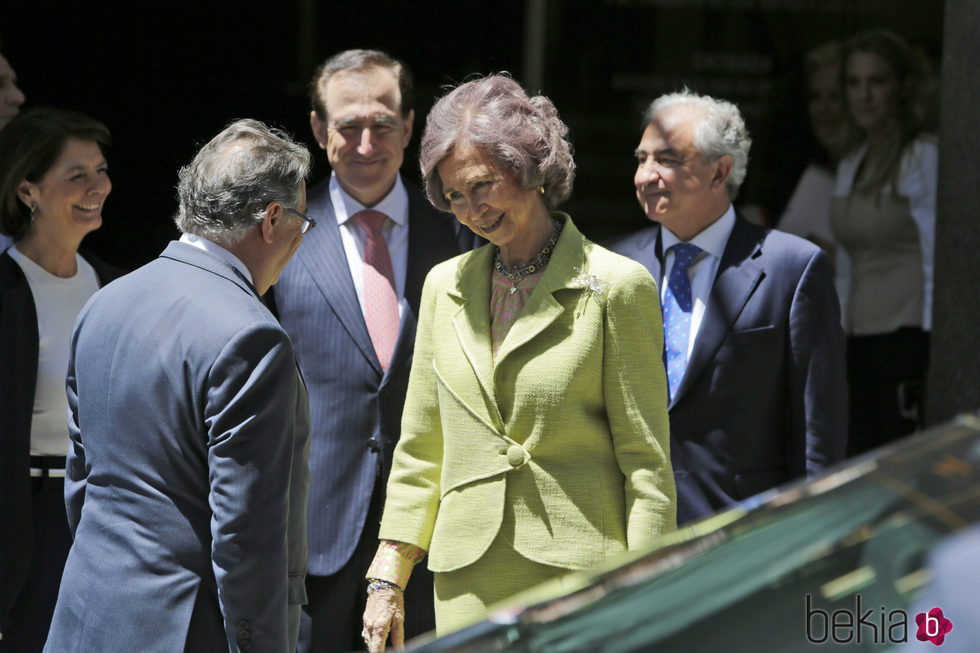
[(886, 381), (31, 613), (332, 620)]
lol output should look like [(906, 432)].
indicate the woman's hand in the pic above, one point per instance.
[(384, 615)]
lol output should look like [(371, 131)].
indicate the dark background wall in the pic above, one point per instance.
[(953, 385), (166, 77)]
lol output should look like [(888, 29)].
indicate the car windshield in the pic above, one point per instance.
[(840, 560)]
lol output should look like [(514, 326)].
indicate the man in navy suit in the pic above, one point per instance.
[(353, 337), (187, 475), (753, 343)]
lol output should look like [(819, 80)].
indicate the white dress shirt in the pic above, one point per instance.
[(702, 270), (395, 206), (217, 250)]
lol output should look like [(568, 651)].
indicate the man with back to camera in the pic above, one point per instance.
[(754, 350), (349, 302), (187, 473)]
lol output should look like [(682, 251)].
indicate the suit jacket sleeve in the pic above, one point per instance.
[(250, 413), (76, 474), (635, 389), (414, 484), (817, 378)]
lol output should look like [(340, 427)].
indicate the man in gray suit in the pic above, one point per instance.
[(349, 302), (187, 478)]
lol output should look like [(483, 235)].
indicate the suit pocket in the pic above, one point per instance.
[(468, 520), (742, 353), (768, 331)]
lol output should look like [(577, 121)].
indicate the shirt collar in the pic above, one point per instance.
[(216, 250), (394, 204), (712, 240)]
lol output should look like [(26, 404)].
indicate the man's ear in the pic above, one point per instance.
[(319, 128), (723, 168), (409, 121), (272, 221)]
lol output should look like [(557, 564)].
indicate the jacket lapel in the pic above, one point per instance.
[(738, 277), (471, 323), (428, 243), (542, 308), (322, 254)]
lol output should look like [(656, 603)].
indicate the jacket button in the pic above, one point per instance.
[(515, 455), (374, 444)]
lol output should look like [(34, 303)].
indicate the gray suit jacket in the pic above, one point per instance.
[(188, 471), (764, 396)]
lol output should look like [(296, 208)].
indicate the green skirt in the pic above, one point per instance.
[(462, 597)]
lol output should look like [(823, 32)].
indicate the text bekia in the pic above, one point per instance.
[(860, 625)]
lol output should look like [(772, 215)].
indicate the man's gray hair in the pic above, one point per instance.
[(720, 130), (224, 191)]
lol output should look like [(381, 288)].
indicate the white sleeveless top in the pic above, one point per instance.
[(57, 302), (889, 237)]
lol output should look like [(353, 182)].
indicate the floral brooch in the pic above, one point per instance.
[(583, 279)]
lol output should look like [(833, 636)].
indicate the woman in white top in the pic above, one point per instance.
[(53, 186), (884, 215)]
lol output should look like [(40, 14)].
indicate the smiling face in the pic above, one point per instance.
[(365, 134), (11, 97), (673, 184), (873, 90), (70, 195), (489, 200)]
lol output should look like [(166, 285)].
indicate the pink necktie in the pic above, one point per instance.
[(380, 300)]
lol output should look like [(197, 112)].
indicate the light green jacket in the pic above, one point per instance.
[(569, 427)]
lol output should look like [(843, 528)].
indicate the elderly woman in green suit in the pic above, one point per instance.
[(534, 437)]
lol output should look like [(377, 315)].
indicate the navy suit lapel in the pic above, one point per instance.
[(322, 254), (431, 239), (738, 277), (423, 246)]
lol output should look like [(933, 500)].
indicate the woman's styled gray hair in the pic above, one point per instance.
[(224, 191), (719, 131), (522, 133)]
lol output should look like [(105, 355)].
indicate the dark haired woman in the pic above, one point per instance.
[(53, 186)]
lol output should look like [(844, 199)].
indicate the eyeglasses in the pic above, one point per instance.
[(308, 222)]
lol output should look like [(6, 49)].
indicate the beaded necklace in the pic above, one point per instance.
[(515, 273)]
